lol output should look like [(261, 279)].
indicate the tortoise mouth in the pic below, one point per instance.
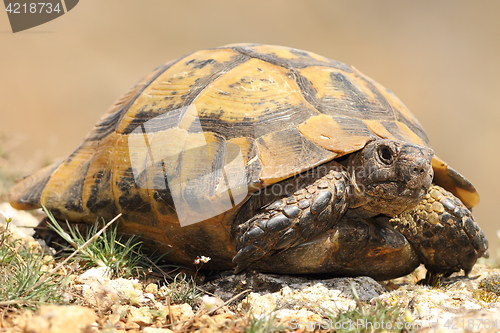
[(417, 194), (391, 198), (395, 189)]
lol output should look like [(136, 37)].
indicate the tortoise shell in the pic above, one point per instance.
[(215, 126)]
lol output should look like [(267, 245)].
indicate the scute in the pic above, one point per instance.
[(454, 182), (328, 132), (283, 154)]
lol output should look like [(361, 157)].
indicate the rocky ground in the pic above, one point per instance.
[(255, 302)]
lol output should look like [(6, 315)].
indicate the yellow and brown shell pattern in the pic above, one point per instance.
[(259, 113)]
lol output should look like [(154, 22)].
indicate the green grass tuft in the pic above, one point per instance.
[(122, 255), (181, 290), (491, 283), (24, 281), (263, 324), (489, 289), (486, 296)]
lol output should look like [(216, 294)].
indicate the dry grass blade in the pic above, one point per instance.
[(229, 301), (17, 302), (13, 250)]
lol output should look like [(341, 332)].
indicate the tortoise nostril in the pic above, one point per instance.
[(420, 166), (418, 170)]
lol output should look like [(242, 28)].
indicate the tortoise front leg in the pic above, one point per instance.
[(292, 220), (443, 233)]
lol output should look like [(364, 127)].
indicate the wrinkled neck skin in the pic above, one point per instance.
[(358, 200), (388, 177)]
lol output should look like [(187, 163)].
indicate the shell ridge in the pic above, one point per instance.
[(288, 63)]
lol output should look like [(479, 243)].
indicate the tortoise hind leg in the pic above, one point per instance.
[(443, 232), (292, 220)]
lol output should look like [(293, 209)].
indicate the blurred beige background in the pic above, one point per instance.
[(442, 58)]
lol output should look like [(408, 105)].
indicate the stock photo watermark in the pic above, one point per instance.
[(24, 15), (325, 324), (364, 324), (211, 178)]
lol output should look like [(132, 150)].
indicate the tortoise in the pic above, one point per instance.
[(268, 158)]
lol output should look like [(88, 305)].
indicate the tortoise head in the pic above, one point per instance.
[(389, 176)]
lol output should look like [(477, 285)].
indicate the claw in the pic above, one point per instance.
[(243, 257), (240, 267), (432, 279)]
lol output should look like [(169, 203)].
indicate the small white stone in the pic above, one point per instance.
[(182, 312), (260, 304), (62, 319), (210, 303), (126, 289), (151, 288), (21, 219), (141, 316), (99, 274), (296, 297)]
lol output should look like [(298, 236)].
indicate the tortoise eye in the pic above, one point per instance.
[(385, 154)]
